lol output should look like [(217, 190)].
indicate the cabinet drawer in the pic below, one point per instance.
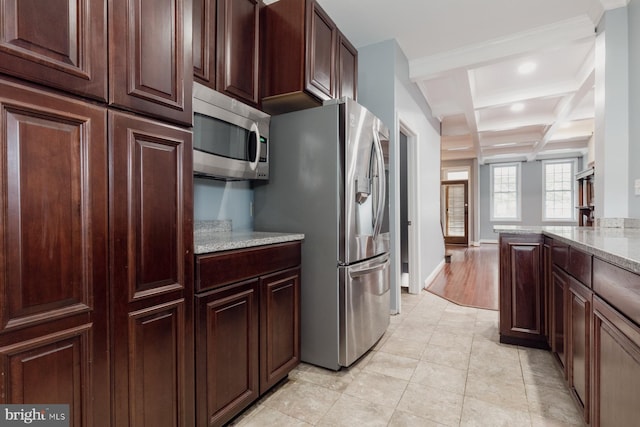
[(560, 254), (222, 268), (619, 287), (579, 266)]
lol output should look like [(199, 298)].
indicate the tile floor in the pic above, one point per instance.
[(438, 364)]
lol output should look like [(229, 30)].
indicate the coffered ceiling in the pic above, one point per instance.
[(465, 57)]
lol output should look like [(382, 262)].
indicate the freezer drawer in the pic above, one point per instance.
[(364, 307)]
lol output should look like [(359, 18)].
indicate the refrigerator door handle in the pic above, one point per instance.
[(368, 270), (381, 184)]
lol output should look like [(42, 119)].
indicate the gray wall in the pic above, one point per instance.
[(531, 211), (213, 199), (634, 105)]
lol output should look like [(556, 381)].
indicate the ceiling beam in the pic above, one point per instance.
[(568, 104), (495, 50), (464, 81)]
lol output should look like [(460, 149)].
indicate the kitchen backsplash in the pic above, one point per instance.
[(223, 200)]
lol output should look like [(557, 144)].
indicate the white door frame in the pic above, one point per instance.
[(412, 197)]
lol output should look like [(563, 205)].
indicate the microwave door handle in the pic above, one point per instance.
[(254, 163)]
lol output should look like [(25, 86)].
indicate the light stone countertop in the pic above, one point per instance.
[(619, 246), (211, 237)]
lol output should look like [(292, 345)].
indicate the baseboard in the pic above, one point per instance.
[(433, 275), (494, 242), (474, 243)]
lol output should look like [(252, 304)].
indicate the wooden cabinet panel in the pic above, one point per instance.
[(227, 352), (53, 369), (619, 287), (279, 326), (616, 367), (547, 268), (304, 58), (559, 296), (53, 252), (579, 266), (521, 299), (579, 340), (223, 268), (59, 43), (347, 75), (238, 31), (150, 59), (151, 199), (321, 53), (204, 42)]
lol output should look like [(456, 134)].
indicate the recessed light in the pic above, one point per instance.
[(518, 106), (527, 67)]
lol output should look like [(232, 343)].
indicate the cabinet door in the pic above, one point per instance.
[(279, 326), (59, 43), (616, 367), (579, 343), (151, 272), (204, 42), (150, 59), (521, 299), (53, 253), (347, 72), (226, 352), (321, 53), (238, 49), (559, 291), (547, 268)]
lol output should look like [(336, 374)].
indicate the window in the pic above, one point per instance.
[(558, 185), (505, 192)]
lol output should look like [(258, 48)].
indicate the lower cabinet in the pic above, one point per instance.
[(557, 308), (226, 351), (616, 367), (247, 332), (579, 313), (521, 290)]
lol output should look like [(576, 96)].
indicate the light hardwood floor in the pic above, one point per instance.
[(471, 278)]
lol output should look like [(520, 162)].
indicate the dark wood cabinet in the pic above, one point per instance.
[(62, 44), (579, 313), (151, 234), (558, 302), (279, 326), (521, 290), (227, 352), (616, 367), (53, 254), (238, 49), (150, 58), (204, 42), (347, 74), (247, 326), (547, 280), (303, 57), (226, 47)]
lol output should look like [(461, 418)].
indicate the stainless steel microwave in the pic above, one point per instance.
[(230, 139)]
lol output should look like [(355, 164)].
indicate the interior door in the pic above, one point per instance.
[(455, 202)]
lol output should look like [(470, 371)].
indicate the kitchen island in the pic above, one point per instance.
[(247, 316), (576, 291)]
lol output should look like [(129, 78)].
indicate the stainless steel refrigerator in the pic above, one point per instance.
[(329, 180)]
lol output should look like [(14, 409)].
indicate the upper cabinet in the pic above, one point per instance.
[(305, 58), (58, 43), (150, 58), (226, 47)]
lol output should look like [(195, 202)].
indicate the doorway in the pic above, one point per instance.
[(455, 215), (409, 231)]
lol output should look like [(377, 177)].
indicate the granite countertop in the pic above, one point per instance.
[(216, 236), (619, 246)]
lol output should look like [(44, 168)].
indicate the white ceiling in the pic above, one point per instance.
[(464, 56)]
